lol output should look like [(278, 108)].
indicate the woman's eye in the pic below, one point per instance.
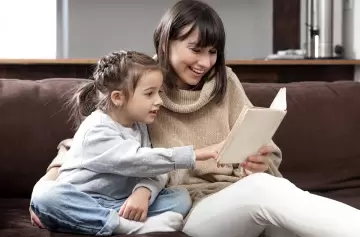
[(195, 50), (149, 93), (213, 52)]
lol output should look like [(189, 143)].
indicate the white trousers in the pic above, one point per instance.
[(261, 201)]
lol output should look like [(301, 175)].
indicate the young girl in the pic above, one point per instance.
[(112, 170)]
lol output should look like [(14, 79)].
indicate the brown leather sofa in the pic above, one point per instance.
[(319, 138)]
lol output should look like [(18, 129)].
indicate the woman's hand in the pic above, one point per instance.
[(137, 205), (259, 162), (209, 152)]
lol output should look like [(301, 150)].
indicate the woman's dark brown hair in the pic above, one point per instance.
[(115, 71), (200, 16)]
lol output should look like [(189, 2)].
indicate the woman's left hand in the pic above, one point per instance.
[(260, 162)]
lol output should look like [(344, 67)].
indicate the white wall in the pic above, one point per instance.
[(97, 27), (28, 31)]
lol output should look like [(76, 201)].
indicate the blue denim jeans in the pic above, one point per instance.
[(62, 208)]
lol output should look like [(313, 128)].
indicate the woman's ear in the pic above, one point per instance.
[(117, 98)]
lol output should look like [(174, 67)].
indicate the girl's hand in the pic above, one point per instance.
[(136, 206), (259, 162), (209, 152)]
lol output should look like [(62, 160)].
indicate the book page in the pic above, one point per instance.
[(279, 102), (253, 129)]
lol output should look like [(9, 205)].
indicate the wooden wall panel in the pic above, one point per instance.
[(286, 24)]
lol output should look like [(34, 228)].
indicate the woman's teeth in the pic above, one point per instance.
[(197, 71)]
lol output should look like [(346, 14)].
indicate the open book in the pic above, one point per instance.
[(253, 129)]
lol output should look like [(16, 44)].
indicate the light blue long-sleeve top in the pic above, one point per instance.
[(108, 159)]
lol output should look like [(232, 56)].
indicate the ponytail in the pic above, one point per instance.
[(83, 102)]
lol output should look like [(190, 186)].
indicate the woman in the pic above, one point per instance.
[(202, 100)]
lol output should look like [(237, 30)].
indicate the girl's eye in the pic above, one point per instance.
[(149, 93), (213, 51)]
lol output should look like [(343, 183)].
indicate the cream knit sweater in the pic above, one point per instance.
[(193, 118)]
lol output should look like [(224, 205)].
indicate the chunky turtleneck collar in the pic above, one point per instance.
[(188, 101)]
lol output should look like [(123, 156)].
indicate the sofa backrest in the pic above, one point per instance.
[(33, 120), (319, 136)]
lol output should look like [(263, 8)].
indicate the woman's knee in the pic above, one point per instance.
[(264, 182), (262, 189)]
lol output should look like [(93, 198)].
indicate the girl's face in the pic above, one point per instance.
[(190, 62), (144, 102)]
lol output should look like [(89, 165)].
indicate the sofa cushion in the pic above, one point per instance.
[(15, 221), (319, 136)]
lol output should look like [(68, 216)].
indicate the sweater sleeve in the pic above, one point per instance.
[(155, 185), (237, 100), (106, 151)]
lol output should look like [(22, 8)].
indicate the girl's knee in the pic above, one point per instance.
[(182, 200), (42, 193), (46, 194), (182, 194)]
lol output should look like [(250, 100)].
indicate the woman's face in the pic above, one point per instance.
[(190, 62)]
